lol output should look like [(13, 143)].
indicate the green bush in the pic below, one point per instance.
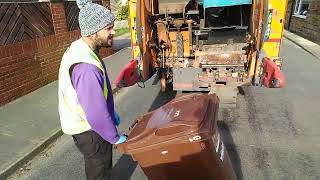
[(122, 12)]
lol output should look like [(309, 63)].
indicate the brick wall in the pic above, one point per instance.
[(309, 27), (29, 65)]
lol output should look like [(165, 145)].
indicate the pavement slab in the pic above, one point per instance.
[(31, 122)]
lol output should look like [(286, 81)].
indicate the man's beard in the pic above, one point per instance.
[(106, 44)]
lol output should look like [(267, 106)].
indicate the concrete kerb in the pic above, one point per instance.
[(117, 52), (291, 38), (39, 148), (28, 156)]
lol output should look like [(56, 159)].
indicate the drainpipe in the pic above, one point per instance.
[(291, 12)]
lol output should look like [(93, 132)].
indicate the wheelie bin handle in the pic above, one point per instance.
[(133, 124)]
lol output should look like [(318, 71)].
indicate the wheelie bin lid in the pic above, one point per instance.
[(183, 116)]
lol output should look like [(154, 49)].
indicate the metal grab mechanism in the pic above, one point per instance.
[(209, 46)]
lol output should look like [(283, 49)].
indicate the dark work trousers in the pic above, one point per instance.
[(97, 154)]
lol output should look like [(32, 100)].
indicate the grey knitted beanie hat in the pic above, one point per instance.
[(93, 17)]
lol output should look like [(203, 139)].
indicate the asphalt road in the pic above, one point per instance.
[(271, 134)]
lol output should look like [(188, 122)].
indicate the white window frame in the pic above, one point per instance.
[(297, 9)]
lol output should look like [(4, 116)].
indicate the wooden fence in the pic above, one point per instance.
[(24, 21)]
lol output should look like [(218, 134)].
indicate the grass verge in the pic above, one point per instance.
[(121, 31)]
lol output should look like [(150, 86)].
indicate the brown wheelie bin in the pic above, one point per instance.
[(180, 140)]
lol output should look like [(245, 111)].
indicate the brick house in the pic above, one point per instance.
[(303, 18)]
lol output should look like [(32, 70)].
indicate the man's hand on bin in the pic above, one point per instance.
[(122, 139), (117, 118)]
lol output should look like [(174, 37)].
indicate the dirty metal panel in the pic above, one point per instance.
[(186, 41), (162, 33), (225, 36), (240, 48), (187, 79), (221, 59), (185, 75), (167, 6), (161, 2)]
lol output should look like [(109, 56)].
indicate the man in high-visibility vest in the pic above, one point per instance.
[(86, 105)]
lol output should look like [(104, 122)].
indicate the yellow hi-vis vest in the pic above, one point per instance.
[(72, 117)]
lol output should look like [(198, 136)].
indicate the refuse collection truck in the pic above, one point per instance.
[(207, 45)]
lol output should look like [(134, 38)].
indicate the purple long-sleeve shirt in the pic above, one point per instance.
[(88, 82)]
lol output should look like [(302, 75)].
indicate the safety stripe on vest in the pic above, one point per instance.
[(105, 88)]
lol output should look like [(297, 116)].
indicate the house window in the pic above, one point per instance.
[(301, 7)]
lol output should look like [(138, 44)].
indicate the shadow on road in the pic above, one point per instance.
[(241, 90), (231, 148), (124, 168), (156, 81), (163, 98)]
